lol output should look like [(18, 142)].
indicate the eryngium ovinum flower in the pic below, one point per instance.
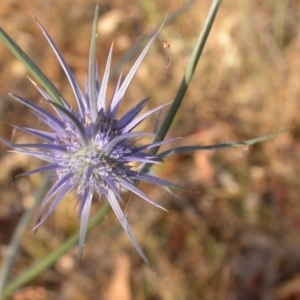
[(89, 150)]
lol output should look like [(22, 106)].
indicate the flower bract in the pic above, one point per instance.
[(89, 149)]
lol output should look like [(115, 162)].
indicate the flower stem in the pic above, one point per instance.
[(188, 75), (42, 265), (17, 237)]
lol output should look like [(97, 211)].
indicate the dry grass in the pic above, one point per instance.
[(238, 238)]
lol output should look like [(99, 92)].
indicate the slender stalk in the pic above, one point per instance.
[(247, 143), (188, 75), (92, 66), (17, 237), (31, 67), (40, 266)]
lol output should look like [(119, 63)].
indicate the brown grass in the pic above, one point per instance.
[(238, 238)]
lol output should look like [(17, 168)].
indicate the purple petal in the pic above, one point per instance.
[(138, 192), (42, 169), (123, 137), (58, 198), (110, 114), (119, 95), (102, 93), (39, 110), (128, 117), (75, 122), (84, 219), (42, 146), (122, 219), (153, 160), (114, 188), (69, 74), (140, 119), (46, 95), (53, 190), (47, 136), (153, 179)]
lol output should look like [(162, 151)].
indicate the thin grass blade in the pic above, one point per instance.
[(221, 146), (31, 67)]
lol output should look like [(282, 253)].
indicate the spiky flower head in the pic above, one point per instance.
[(89, 150)]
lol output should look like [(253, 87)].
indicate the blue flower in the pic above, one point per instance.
[(89, 150)]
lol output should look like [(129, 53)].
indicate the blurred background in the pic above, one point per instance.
[(236, 235)]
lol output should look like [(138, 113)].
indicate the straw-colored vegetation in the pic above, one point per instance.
[(238, 237)]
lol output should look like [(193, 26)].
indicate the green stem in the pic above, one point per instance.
[(17, 237), (40, 266), (31, 67), (188, 75)]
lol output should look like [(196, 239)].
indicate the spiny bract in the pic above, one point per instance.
[(89, 150)]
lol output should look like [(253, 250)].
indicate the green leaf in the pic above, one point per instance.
[(92, 66), (221, 146), (40, 266), (31, 67), (188, 73)]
